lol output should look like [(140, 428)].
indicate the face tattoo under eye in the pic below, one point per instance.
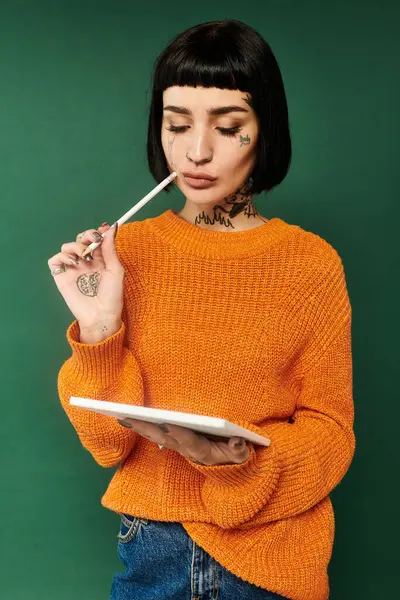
[(245, 140), (171, 139)]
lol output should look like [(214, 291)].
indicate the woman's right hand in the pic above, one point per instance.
[(92, 289)]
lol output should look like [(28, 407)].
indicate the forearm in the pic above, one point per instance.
[(305, 460), (105, 371)]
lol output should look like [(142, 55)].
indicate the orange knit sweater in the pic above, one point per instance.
[(251, 326)]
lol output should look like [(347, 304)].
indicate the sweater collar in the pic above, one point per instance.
[(197, 241)]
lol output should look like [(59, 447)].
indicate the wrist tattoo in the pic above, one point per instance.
[(88, 284), (99, 326)]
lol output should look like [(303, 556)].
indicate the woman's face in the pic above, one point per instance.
[(212, 131)]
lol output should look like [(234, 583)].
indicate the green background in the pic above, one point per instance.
[(74, 100)]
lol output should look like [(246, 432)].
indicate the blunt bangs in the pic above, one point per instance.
[(227, 55)]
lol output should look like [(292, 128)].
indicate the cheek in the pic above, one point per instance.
[(170, 143), (170, 147), (247, 141), (239, 152)]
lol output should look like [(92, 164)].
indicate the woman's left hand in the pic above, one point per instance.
[(191, 445)]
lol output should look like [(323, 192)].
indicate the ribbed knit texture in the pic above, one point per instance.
[(251, 326)]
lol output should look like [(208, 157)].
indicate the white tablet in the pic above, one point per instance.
[(200, 423)]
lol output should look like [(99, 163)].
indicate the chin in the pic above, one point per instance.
[(203, 199), (205, 196)]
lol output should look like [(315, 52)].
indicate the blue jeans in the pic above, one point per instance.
[(163, 563)]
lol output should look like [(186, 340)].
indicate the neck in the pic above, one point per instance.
[(234, 213)]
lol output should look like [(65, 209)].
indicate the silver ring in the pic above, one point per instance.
[(161, 446), (58, 270)]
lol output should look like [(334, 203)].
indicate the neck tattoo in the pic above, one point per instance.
[(240, 202)]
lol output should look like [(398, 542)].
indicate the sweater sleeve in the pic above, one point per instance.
[(308, 454), (109, 371), (104, 371)]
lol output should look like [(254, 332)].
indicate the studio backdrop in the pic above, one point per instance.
[(74, 99)]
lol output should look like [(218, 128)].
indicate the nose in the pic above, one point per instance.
[(199, 151)]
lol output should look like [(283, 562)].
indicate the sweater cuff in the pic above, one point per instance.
[(234, 494), (98, 363)]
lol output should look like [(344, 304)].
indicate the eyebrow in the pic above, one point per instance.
[(220, 110)]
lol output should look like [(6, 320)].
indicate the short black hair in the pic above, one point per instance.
[(231, 55)]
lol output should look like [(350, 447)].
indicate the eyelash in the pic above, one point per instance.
[(229, 131)]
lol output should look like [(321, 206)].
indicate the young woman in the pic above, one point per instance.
[(215, 310)]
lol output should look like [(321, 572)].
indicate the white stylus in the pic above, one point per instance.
[(133, 210)]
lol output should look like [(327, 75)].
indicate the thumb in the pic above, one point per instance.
[(239, 448), (109, 251)]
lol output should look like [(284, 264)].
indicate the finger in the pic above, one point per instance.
[(91, 235), (62, 260), (74, 248), (148, 430), (190, 444), (151, 432), (96, 240), (88, 236), (57, 270), (239, 449), (124, 423), (214, 438), (70, 259), (80, 251), (183, 435), (222, 453), (109, 251), (103, 227)]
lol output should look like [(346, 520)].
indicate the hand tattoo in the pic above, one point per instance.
[(88, 284)]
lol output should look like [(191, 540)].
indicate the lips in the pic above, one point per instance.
[(198, 183), (198, 175), (198, 180)]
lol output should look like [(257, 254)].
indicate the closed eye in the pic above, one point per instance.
[(224, 130)]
